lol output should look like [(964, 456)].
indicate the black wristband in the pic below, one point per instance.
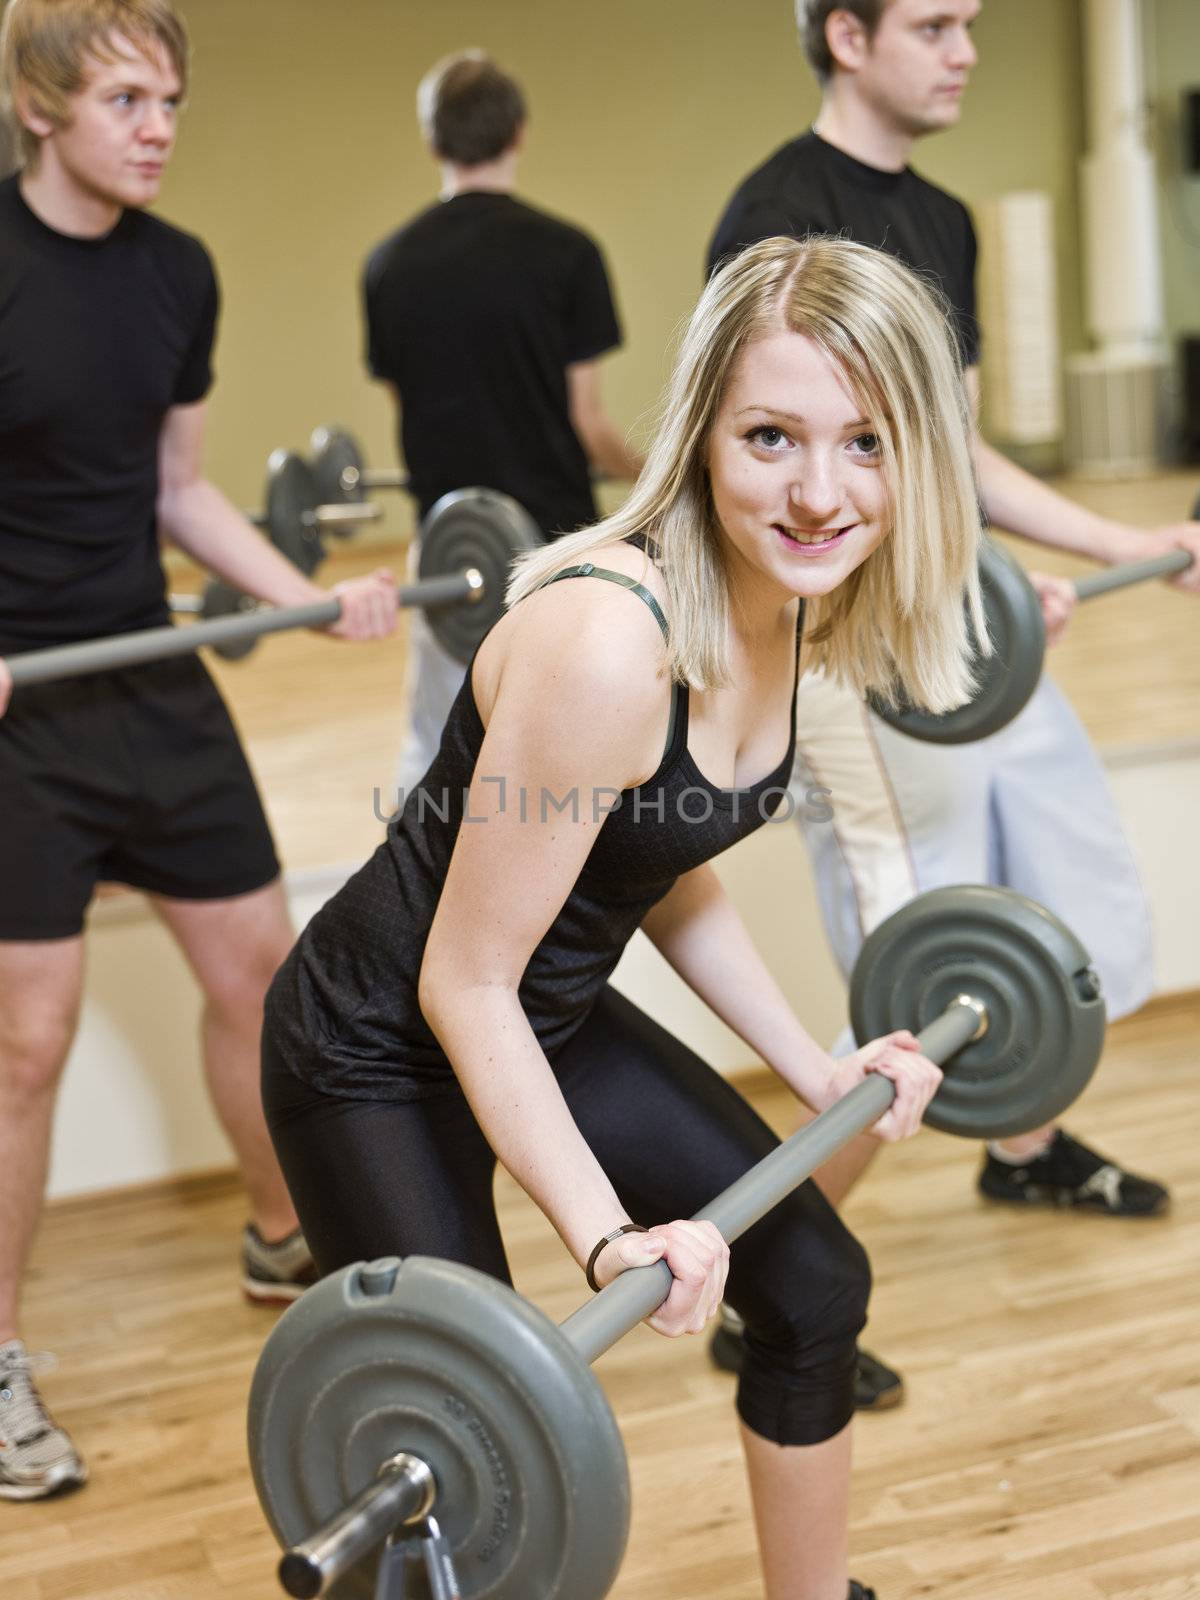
[(589, 1271)]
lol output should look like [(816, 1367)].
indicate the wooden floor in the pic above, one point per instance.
[(1049, 1448), (322, 721)]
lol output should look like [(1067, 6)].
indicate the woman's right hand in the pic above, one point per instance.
[(699, 1261)]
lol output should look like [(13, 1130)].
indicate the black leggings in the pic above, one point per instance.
[(372, 1178)]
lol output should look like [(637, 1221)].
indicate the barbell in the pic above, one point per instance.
[(297, 513), (295, 521), (1007, 678), (468, 543), (393, 1389), (341, 474)]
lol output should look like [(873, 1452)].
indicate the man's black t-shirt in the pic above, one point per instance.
[(99, 338), (475, 309), (810, 186)]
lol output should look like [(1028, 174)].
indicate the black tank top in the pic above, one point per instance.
[(343, 1008)]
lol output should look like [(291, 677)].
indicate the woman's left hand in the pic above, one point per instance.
[(896, 1056)]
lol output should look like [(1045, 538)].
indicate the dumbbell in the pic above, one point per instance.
[(468, 544), (396, 1389), (1006, 679)]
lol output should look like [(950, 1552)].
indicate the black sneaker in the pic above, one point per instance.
[(726, 1348), (275, 1274), (876, 1387), (1068, 1174), (858, 1591)]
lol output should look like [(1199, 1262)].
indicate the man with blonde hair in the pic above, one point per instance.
[(107, 322), (1029, 807), (487, 319)]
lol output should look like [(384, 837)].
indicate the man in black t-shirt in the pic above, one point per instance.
[(487, 319), (107, 319), (1028, 807)]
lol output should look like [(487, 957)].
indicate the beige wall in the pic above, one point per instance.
[(299, 150)]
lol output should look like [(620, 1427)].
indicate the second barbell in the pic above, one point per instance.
[(468, 544)]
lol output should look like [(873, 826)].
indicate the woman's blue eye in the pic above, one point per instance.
[(867, 444), (767, 436)]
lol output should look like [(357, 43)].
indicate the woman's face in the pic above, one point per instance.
[(796, 473)]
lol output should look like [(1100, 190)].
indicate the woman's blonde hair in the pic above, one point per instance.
[(898, 624), (45, 44)]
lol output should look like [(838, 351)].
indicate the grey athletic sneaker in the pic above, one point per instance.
[(275, 1274), (36, 1456)]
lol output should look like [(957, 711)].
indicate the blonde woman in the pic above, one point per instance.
[(629, 718)]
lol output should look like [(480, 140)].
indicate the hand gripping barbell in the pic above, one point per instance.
[(395, 1388), (1007, 678), (469, 541)]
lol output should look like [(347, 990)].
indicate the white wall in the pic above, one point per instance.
[(133, 1107)]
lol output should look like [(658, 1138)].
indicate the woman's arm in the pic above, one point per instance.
[(697, 929), (579, 710)]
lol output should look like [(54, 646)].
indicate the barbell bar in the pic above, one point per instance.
[(1007, 678), (160, 644), (1164, 566), (435, 1362)]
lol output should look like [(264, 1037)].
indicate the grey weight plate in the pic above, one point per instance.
[(337, 467), (445, 1363), (1046, 1017), (223, 600), (474, 528), (292, 501), (1006, 678)]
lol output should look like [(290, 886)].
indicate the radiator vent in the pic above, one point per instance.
[(1115, 415), (1018, 310)]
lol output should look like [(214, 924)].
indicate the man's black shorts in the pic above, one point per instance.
[(135, 776)]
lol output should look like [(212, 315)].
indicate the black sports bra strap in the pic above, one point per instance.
[(588, 569)]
